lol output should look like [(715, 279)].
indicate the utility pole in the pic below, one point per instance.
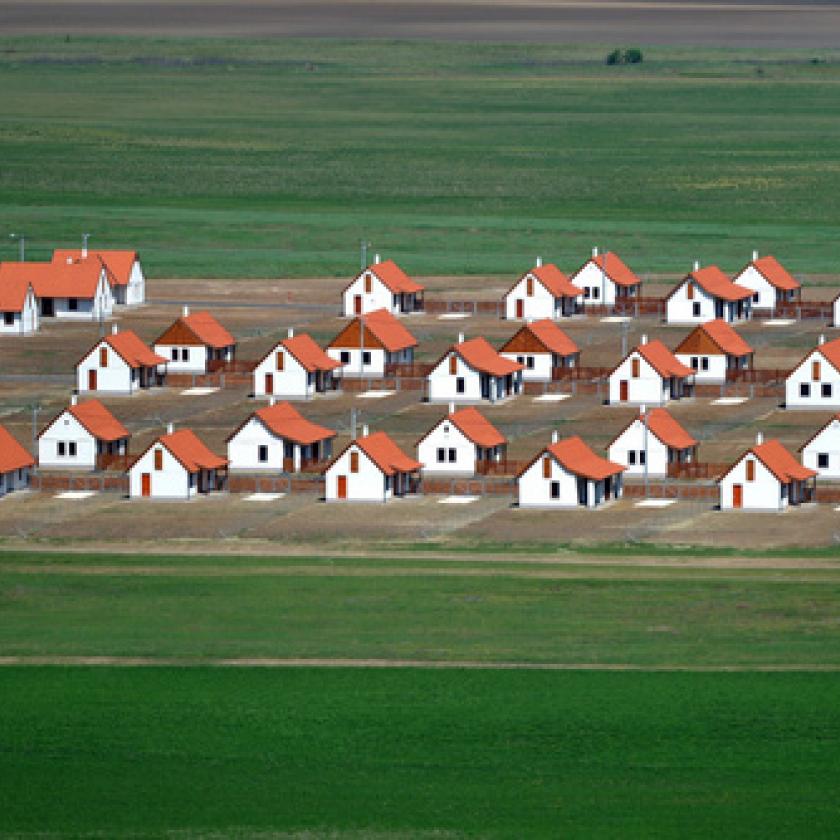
[(604, 279), (647, 484), (35, 409), (364, 245), (625, 328), (21, 244), (85, 237)]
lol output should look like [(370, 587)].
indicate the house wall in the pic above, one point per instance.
[(378, 357), (591, 277), (648, 388), (443, 384), (292, 381), (196, 361), (115, 378), (717, 366), (835, 309), (367, 485), (135, 292), (446, 435), (379, 297), (541, 304), (67, 429), (24, 322), (535, 490), (100, 306), (764, 493), (633, 438), (801, 375), (14, 480), (679, 308), (541, 365), (172, 482), (764, 294), (827, 442)]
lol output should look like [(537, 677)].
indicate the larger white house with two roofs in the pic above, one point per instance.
[(821, 452), (473, 371), (567, 474), (15, 463), (712, 350), (127, 279), (651, 442), (542, 292), (766, 477), (541, 347), (605, 279), (295, 367), (463, 442), (705, 294), (278, 438), (371, 468), (18, 306), (650, 374), (383, 285), (770, 282), (370, 343), (84, 436), (815, 381), (195, 343), (120, 363)]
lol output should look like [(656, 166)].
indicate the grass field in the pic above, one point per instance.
[(357, 753), (266, 158)]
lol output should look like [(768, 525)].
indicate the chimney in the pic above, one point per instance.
[(642, 410), (821, 339), (290, 333), (555, 436), (69, 260), (759, 438), (170, 428), (539, 262), (84, 247), (365, 430), (452, 408), (755, 256), (696, 266), (74, 399), (115, 328), (460, 338), (595, 251), (271, 401), (185, 311), (643, 339), (377, 259)]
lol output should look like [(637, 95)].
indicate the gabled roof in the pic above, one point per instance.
[(663, 426), (574, 455), (480, 355), (661, 359), (614, 268), (74, 279), (835, 418), (830, 350), (715, 283), (206, 329), (285, 421), (476, 427), (775, 273), (190, 451), (12, 455), (13, 291), (722, 336), (118, 263), (131, 349), (393, 277), (380, 325), (96, 419), (556, 283), (387, 456), (778, 460), (549, 335), (311, 357)]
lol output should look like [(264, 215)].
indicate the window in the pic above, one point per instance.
[(262, 453), (642, 457), (8, 318), (158, 459), (174, 354), (755, 297), (586, 291), (72, 304), (446, 428), (704, 363), (631, 457), (354, 462), (288, 449), (459, 385), (822, 460), (185, 354), (530, 363), (441, 455), (750, 470), (529, 283), (826, 390), (368, 283), (555, 489), (694, 363), (634, 368), (453, 365), (520, 359), (103, 357), (365, 357), (344, 357), (695, 310), (453, 456), (689, 291), (596, 293), (815, 371), (546, 467), (62, 449), (804, 389), (281, 360)]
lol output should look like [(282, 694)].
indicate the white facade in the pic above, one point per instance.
[(356, 300), (24, 322), (707, 368), (630, 449), (292, 381), (764, 292), (690, 303), (446, 449), (561, 488), (537, 367), (67, 444), (648, 388), (822, 453), (14, 480), (134, 292), (368, 484), (368, 362), (172, 481), (541, 303), (115, 376), (184, 358), (835, 312), (598, 289), (814, 383), (764, 492), (459, 382), (256, 448), (96, 308)]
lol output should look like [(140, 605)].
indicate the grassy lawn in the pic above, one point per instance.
[(343, 753), (426, 610), (229, 158)]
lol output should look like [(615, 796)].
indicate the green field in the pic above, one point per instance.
[(229, 158), (355, 753)]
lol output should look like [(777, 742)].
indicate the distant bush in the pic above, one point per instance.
[(631, 56)]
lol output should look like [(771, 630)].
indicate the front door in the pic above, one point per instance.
[(737, 496), (269, 383), (622, 390), (520, 308), (146, 484), (342, 487), (47, 307), (91, 380), (357, 305)]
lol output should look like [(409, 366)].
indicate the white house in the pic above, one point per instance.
[(650, 374), (84, 436), (120, 363), (383, 285), (278, 438), (770, 282), (821, 452), (196, 343), (541, 347), (371, 343), (567, 474), (712, 350), (18, 306), (463, 442), (177, 465), (127, 279), (650, 442), (766, 477), (473, 371), (371, 468), (815, 381), (835, 312), (15, 463), (605, 279), (705, 294), (542, 292), (295, 367)]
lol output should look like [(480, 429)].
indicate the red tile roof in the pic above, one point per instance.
[(662, 360), (616, 269), (717, 284), (128, 345), (382, 450), (480, 355), (662, 424), (775, 273), (394, 277), (477, 428), (78, 279), (387, 330), (98, 421), (831, 351), (13, 291), (208, 330), (725, 337), (557, 283), (552, 337), (285, 421), (189, 450), (578, 458), (780, 462), (12, 455), (304, 348), (118, 263)]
